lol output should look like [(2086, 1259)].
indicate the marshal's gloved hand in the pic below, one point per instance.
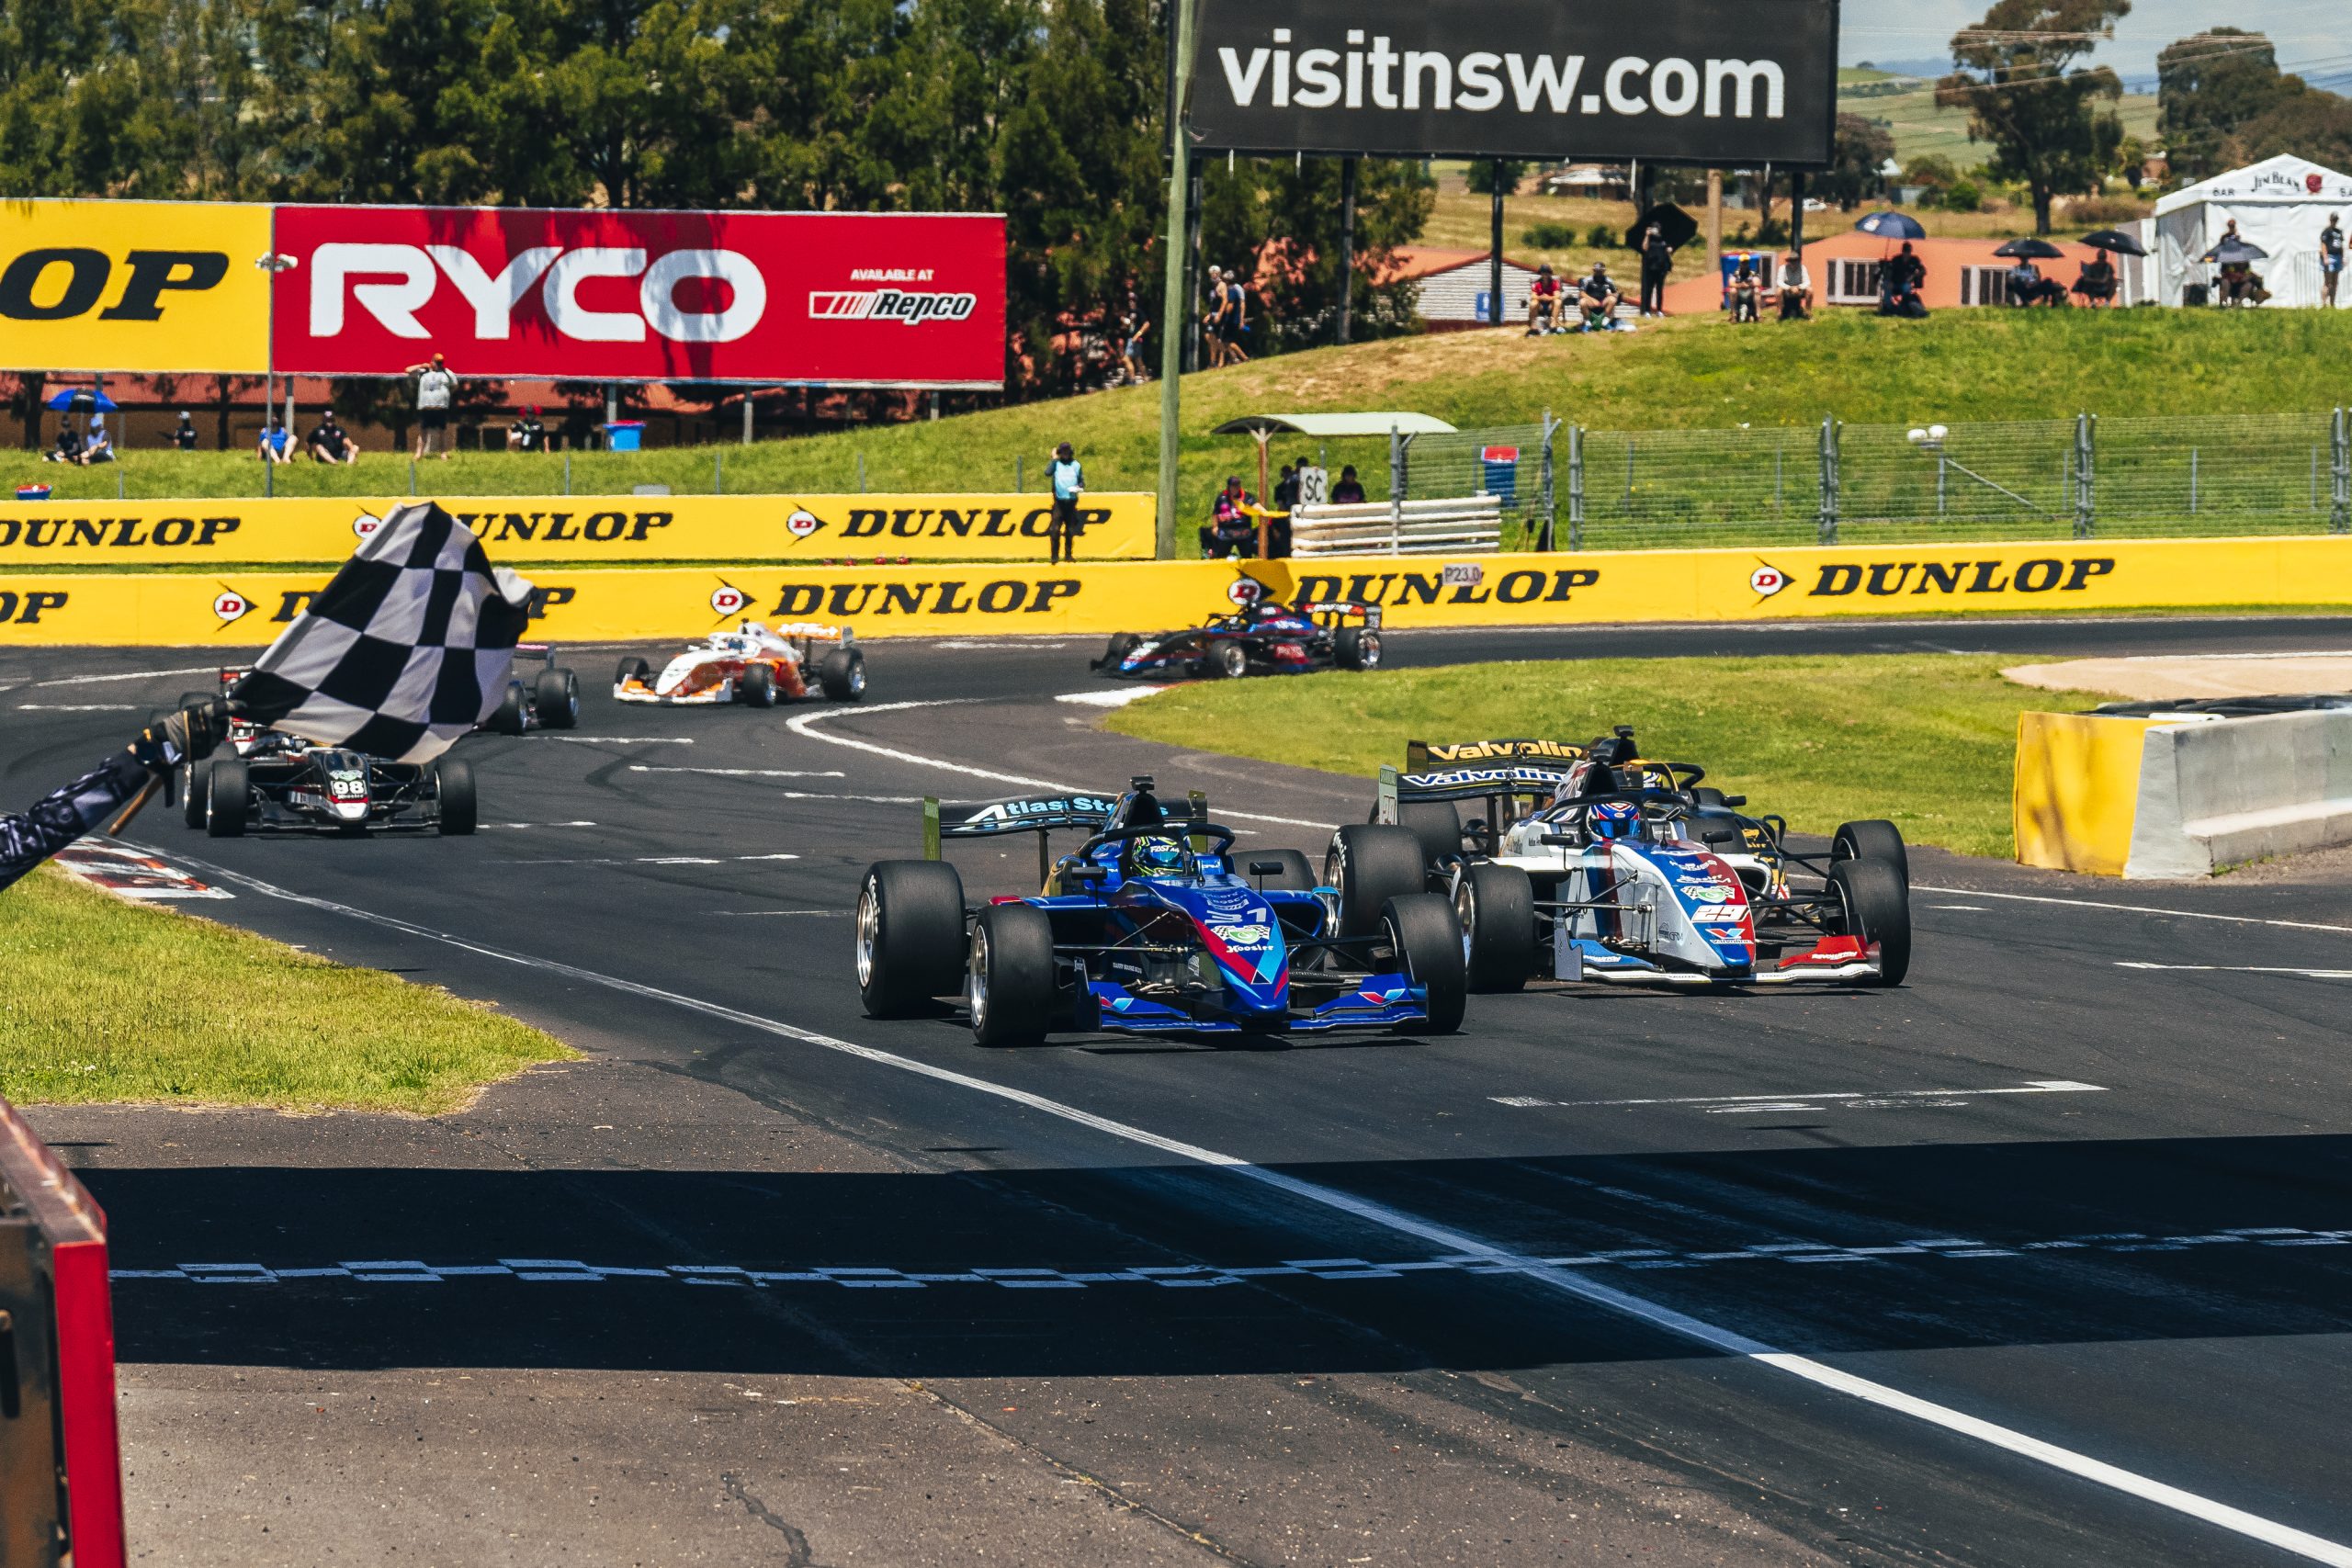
[(187, 736), (128, 775)]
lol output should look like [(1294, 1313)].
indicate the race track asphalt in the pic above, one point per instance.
[(2041, 1259)]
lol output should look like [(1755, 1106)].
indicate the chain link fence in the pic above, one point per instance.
[(2209, 474)]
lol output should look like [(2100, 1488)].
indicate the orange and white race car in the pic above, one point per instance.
[(755, 665)]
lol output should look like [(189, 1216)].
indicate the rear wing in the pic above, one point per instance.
[(1028, 814), (816, 631), (1347, 609), (1421, 756), (1477, 783)]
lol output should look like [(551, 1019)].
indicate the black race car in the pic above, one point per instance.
[(1267, 638), (278, 781), (549, 700)]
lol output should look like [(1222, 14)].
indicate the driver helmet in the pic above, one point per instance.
[(1158, 855), (1614, 820)]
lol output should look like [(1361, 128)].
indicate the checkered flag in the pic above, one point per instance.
[(408, 648)]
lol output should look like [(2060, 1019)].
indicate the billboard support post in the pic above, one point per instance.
[(1495, 257), (1347, 242), (1172, 313)]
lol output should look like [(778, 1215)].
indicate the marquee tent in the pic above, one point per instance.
[(2280, 204)]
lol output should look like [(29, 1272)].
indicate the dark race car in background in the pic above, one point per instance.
[(1267, 638), (548, 700), (1151, 926)]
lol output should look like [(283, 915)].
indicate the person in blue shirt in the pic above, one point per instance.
[(1070, 484), (276, 442)]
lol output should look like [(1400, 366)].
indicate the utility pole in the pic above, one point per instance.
[(1715, 221), (1347, 242), (1495, 255), (1172, 313)]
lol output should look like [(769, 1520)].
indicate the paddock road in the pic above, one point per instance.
[(2041, 1259)]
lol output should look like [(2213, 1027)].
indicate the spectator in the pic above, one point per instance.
[(276, 442), (2240, 286), (1796, 291), (1657, 260), (1213, 322), (435, 386), (528, 434), (1901, 277), (183, 434), (2331, 259), (2028, 286), (1746, 290), (1068, 483), (69, 446), (97, 447), (1597, 299), (1236, 319), (1348, 492), (1232, 530), (328, 444), (2096, 283), (1543, 303), (1132, 328)]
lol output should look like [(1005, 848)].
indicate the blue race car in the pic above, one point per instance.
[(1151, 927), (1265, 637)]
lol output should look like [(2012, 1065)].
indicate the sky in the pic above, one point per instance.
[(2317, 32)]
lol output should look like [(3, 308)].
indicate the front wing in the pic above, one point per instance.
[(1381, 1001)]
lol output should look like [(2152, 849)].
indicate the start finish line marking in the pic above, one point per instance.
[(131, 874), (1837, 1099)]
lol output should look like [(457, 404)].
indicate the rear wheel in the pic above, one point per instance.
[(1368, 865), (1436, 823), (1429, 949), (1010, 982), (1875, 840), (633, 669), (1297, 875), (554, 697), (508, 719), (1356, 648), (453, 793), (195, 700), (910, 935), (1494, 906), (1707, 794), (841, 674), (757, 688), (1876, 909), (193, 780), (228, 798), (1225, 661)]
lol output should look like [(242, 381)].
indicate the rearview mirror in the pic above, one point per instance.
[(1735, 800), (1087, 874), (1265, 868)]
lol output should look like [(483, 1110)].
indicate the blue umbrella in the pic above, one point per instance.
[(1893, 226), (82, 400)]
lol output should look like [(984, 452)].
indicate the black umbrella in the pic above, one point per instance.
[(1677, 226), (2236, 253), (2031, 250), (1893, 226), (2115, 240)]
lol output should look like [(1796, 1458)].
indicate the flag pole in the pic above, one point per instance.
[(1172, 311)]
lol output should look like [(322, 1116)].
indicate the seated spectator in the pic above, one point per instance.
[(1597, 299), (2028, 286), (69, 446), (328, 444), (1744, 290), (276, 442), (1232, 530), (1796, 291), (2097, 282), (97, 447), (1543, 303), (1348, 492), (528, 434), (1900, 278), (183, 436), (2239, 285)]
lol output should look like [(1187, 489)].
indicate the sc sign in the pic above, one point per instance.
[(1728, 82), (136, 286)]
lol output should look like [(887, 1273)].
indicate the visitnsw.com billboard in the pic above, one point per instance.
[(844, 299)]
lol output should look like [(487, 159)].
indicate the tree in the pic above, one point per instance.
[(1480, 175), (2208, 85), (2017, 80), (1857, 150), (2309, 123)]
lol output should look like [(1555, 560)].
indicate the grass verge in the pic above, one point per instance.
[(109, 1001), (1924, 739)]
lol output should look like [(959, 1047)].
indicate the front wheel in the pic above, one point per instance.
[(228, 798), (1494, 907), (1420, 929), (1876, 909), (1225, 661), (636, 670), (453, 794), (1121, 645), (910, 935), (1009, 981), (841, 674), (757, 688), (194, 779), (508, 719)]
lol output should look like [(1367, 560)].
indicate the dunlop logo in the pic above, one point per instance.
[(1887, 579)]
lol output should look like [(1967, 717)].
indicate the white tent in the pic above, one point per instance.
[(2280, 204)]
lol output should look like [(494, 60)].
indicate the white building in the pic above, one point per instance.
[(2280, 204)]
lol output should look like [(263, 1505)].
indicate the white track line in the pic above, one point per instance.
[(77, 707), (1566, 1281), (2038, 1086), (801, 726), (130, 675), (617, 739), (740, 773), (2137, 909), (2242, 969)]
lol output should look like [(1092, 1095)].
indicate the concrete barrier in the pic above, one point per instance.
[(2148, 798)]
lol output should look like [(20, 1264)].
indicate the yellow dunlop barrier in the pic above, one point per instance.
[(2077, 789), (244, 604), (583, 529), (145, 286)]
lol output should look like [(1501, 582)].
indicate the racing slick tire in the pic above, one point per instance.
[(455, 807), (1297, 875), (633, 669), (1369, 863), (1875, 840), (1494, 908), (509, 717), (1011, 975), (555, 699), (1356, 648), (1876, 908), (197, 699), (910, 935), (1225, 661), (1436, 823), (841, 675), (228, 798), (1429, 949), (757, 688), (193, 781), (1709, 795), (1116, 652)]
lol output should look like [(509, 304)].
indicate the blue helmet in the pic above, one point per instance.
[(1614, 820), (1158, 856)]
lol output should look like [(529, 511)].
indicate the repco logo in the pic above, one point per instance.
[(60, 282), (1887, 579)]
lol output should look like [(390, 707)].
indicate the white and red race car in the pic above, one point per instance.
[(755, 665)]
